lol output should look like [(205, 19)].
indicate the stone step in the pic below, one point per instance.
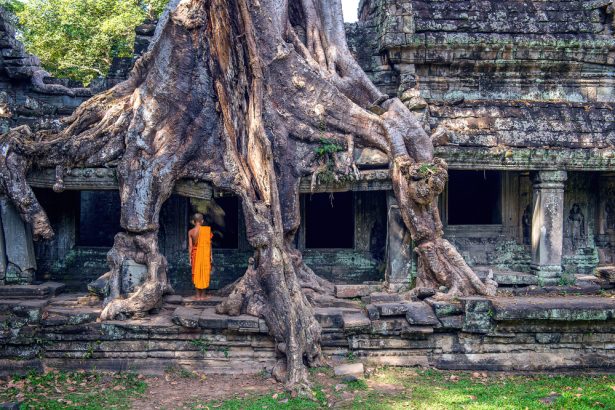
[(209, 302), (376, 310), (355, 321), (515, 279), (42, 291), (606, 272), (568, 308), (28, 309), (355, 291), (381, 297), (333, 317), (60, 316), (207, 318)]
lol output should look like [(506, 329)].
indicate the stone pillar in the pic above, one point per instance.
[(399, 248), (548, 225), (18, 246)]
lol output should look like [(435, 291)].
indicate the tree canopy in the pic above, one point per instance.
[(78, 39)]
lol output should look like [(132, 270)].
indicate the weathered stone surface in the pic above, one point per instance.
[(446, 308), (479, 315), (19, 248), (133, 275), (420, 313), (382, 297), (399, 246), (60, 316), (569, 308), (606, 272), (187, 317), (329, 317), (355, 321), (515, 278), (354, 291), (452, 322), (44, 290)]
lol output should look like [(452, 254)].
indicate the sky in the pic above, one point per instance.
[(350, 10)]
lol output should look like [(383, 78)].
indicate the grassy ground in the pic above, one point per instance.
[(386, 388), (78, 390)]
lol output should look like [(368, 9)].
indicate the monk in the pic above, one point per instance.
[(199, 246)]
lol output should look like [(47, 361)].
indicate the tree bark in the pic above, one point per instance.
[(239, 93)]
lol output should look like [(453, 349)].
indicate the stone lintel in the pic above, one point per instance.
[(105, 179)]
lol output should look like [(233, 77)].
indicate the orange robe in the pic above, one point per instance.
[(201, 258)]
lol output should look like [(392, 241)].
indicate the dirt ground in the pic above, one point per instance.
[(182, 389)]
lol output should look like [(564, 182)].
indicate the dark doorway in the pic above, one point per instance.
[(474, 198), (99, 218), (329, 220), (222, 214)]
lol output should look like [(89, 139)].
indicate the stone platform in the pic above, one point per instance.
[(533, 333)]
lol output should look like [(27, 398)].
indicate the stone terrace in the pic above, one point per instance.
[(41, 327)]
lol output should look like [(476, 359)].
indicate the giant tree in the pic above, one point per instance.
[(239, 93)]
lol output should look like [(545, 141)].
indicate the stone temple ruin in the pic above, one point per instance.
[(519, 99)]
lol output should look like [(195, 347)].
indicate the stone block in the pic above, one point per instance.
[(420, 313), (569, 308), (411, 332), (186, 317), (329, 317), (133, 275), (479, 315), (173, 299), (382, 297), (355, 321), (350, 369), (548, 338), (392, 309), (209, 319), (372, 312), (452, 322), (354, 291), (244, 323), (606, 272), (442, 309)]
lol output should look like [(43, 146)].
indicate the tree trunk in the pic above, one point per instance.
[(239, 93)]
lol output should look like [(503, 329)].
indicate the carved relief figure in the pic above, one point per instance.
[(526, 222), (576, 220)]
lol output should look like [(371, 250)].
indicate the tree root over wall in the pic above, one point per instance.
[(239, 93)]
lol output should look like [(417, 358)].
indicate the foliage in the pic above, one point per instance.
[(327, 148), (426, 170), (76, 390), (78, 39)]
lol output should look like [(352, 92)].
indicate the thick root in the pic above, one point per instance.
[(441, 265), (142, 248), (272, 290)]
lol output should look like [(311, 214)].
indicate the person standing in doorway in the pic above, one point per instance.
[(199, 247)]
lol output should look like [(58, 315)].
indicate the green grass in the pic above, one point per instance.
[(432, 389), (76, 390), (387, 388)]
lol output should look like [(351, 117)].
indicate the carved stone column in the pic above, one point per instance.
[(548, 225)]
